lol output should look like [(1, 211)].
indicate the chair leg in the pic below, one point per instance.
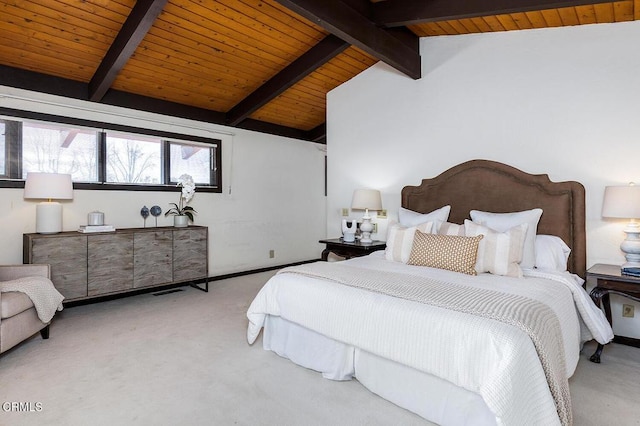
[(45, 332)]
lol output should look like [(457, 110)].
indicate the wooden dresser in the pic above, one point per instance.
[(85, 266)]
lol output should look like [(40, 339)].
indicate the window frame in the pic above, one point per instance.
[(13, 159), (12, 151), (166, 169)]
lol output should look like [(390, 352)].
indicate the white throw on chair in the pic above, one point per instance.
[(30, 309)]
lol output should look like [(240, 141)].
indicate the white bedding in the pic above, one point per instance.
[(433, 398), (483, 356)]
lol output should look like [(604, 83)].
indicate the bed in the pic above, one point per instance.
[(454, 348)]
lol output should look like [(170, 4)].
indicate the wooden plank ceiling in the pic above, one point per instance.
[(265, 65)]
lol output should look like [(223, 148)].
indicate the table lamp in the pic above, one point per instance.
[(623, 202), (366, 199), (48, 186)]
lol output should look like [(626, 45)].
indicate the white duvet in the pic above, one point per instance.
[(490, 358)]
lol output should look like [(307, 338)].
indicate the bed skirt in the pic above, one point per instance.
[(436, 400)]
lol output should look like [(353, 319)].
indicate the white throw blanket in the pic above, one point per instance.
[(595, 323), (484, 356), (46, 299)]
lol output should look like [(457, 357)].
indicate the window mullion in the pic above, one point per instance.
[(102, 157), (213, 165), (166, 162), (13, 139), (216, 179)]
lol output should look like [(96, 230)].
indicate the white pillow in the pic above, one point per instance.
[(499, 253), (551, 253), (448, 228), (502, 222), (400, 241), (410, 218)]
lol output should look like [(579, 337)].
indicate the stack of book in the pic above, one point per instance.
[(634, 271), (96, 228)]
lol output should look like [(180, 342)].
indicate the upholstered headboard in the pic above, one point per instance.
[(495, 187)]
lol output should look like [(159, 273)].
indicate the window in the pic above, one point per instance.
[(133, 159), (197, 161), (53, 148), (102, 156)]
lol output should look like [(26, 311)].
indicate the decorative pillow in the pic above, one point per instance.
[(499, 252), (410, 218), (451, 252), (551, 253), (400, 241), (448, 228), (502, 222)]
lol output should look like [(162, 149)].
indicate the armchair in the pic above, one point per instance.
[(18, 317)]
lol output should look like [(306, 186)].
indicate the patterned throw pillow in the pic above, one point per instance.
[(400, 241), (451, 252), (499, 253)]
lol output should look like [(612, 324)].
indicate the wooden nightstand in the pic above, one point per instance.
[(349, 250), (609, 279)]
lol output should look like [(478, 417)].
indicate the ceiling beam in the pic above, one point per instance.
[(38, 82), (398, 13), (318, 134), (134, 29), (188, 151), (274, 129), (318, 55), (357, 29), (71, 135)]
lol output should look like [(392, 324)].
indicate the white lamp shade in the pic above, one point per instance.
[(366, 199), (48, 186), (621, 202)]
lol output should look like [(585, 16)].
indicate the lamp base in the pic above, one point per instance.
[(631, 245), (365, 229), (628, 265), (49, 218)]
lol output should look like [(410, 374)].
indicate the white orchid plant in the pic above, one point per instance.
[(188, 190)]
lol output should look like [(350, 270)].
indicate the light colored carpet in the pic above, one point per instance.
[(182, 358)]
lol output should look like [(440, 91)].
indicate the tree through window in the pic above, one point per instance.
[(132, 159), (59, 149), (98, 157)]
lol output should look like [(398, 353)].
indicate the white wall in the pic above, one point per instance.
[(273, 196), (561, 101)]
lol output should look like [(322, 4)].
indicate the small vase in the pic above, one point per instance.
[(180, 221)]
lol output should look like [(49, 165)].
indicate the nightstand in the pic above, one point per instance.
[(349, 250), (609, 279)]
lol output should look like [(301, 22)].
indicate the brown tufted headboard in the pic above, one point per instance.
[(495, 187)]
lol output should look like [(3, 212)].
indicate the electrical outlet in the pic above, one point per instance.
[(345, 212), (375, 228), (382, 214), (628, 311), (272, 254)]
